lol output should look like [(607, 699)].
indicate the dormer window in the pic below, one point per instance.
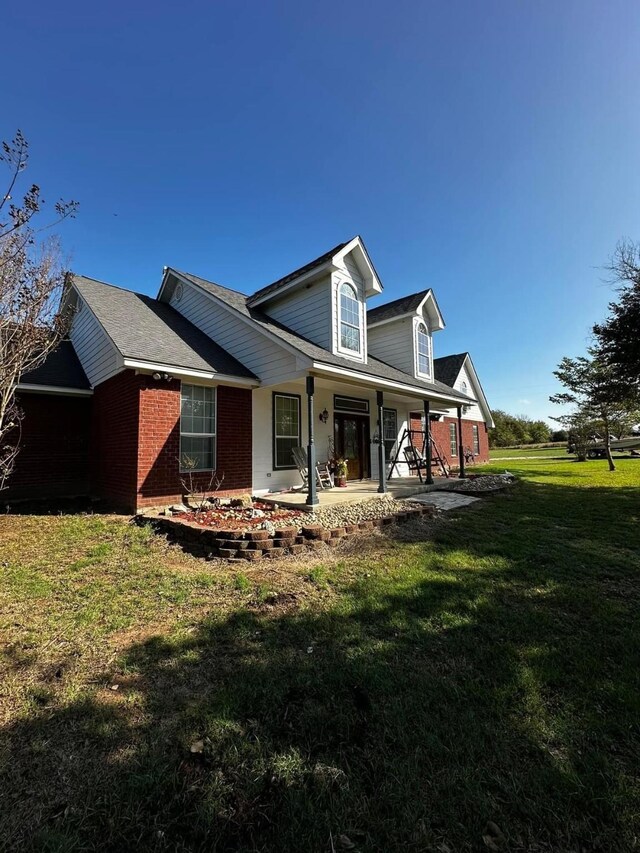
[(349, 318), (423, 349), (463, 387)]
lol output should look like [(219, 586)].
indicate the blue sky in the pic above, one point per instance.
[(488, 150)]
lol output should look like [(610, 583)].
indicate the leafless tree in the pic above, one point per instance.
[(31, 282)]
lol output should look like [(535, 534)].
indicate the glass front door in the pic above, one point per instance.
[(352, 443)]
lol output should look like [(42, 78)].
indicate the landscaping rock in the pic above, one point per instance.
[(242, 501)]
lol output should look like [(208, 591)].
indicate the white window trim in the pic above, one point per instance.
[(418, 321), (350, 353), (455, 433), (213, 435), (298, 398), (475, 434)]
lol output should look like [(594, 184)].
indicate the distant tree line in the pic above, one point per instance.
[(519, 429)]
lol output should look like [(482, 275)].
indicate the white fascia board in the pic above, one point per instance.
[(327, 266), (53, 389), (430, 297), (376, 381), (248, 321), (375, 285), (151, 367)]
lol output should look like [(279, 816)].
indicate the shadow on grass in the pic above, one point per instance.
[(495, 682)]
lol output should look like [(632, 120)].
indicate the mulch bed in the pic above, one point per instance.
[(244, 518)]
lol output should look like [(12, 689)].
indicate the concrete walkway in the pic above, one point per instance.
[(444, 500)]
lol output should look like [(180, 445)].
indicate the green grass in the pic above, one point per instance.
[(403, 693), (530, 452)]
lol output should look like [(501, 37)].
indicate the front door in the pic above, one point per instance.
[(352, 443)]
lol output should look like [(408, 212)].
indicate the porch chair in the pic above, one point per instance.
[(323, 475), (414, 458)]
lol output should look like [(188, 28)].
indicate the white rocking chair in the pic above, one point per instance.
[(323, 475)]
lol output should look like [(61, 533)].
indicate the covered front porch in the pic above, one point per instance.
[(361, 419), (356, 491)]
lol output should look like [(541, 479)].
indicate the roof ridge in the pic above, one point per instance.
[(114, 286), (452, 355), (290, 276), (208, 280), (400, 298)]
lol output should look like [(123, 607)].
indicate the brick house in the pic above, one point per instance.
[(208, 378)]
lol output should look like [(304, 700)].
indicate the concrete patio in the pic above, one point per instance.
[(359, 490)]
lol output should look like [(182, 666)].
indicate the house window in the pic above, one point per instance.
[(476, 440), (463, 387), (287, 429), (349, 318), (453, 439), (389, 430), (423, 344), (197, 428)]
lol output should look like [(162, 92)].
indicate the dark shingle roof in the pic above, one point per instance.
[(276, 285), (374, 366), (404, 305), (149, 330), (61, 369), (448, 367)]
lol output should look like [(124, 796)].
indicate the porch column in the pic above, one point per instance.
[(460, 444), (382, 465), (427, 440), (312, 494)]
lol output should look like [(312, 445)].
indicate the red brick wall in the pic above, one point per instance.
[(440, 433), (123, 444), (54, 448), (114, 439), (159, 478)]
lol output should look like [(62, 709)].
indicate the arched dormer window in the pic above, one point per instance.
[(423, 348), (349, 318), (463, 387)]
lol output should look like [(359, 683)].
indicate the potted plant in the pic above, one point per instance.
[(341, 471)]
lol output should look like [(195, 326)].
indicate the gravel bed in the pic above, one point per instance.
[(352, 513), (488, 483)]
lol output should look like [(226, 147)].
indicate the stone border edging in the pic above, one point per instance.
[(258, 544)]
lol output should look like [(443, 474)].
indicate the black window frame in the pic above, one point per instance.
[(274, 438), (389, 450)]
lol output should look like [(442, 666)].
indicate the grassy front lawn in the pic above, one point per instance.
[(478, 677), (529, 452)]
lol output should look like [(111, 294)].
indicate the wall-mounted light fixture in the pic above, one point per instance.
[(324, 416), (157, 377)]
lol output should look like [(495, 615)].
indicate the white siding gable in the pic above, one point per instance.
[(473, 412), (97, 353), (396, 342), (392, 343), (307, 311), (270, 362)]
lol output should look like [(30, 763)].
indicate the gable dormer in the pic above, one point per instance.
[(325, 300), (401, 333)]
